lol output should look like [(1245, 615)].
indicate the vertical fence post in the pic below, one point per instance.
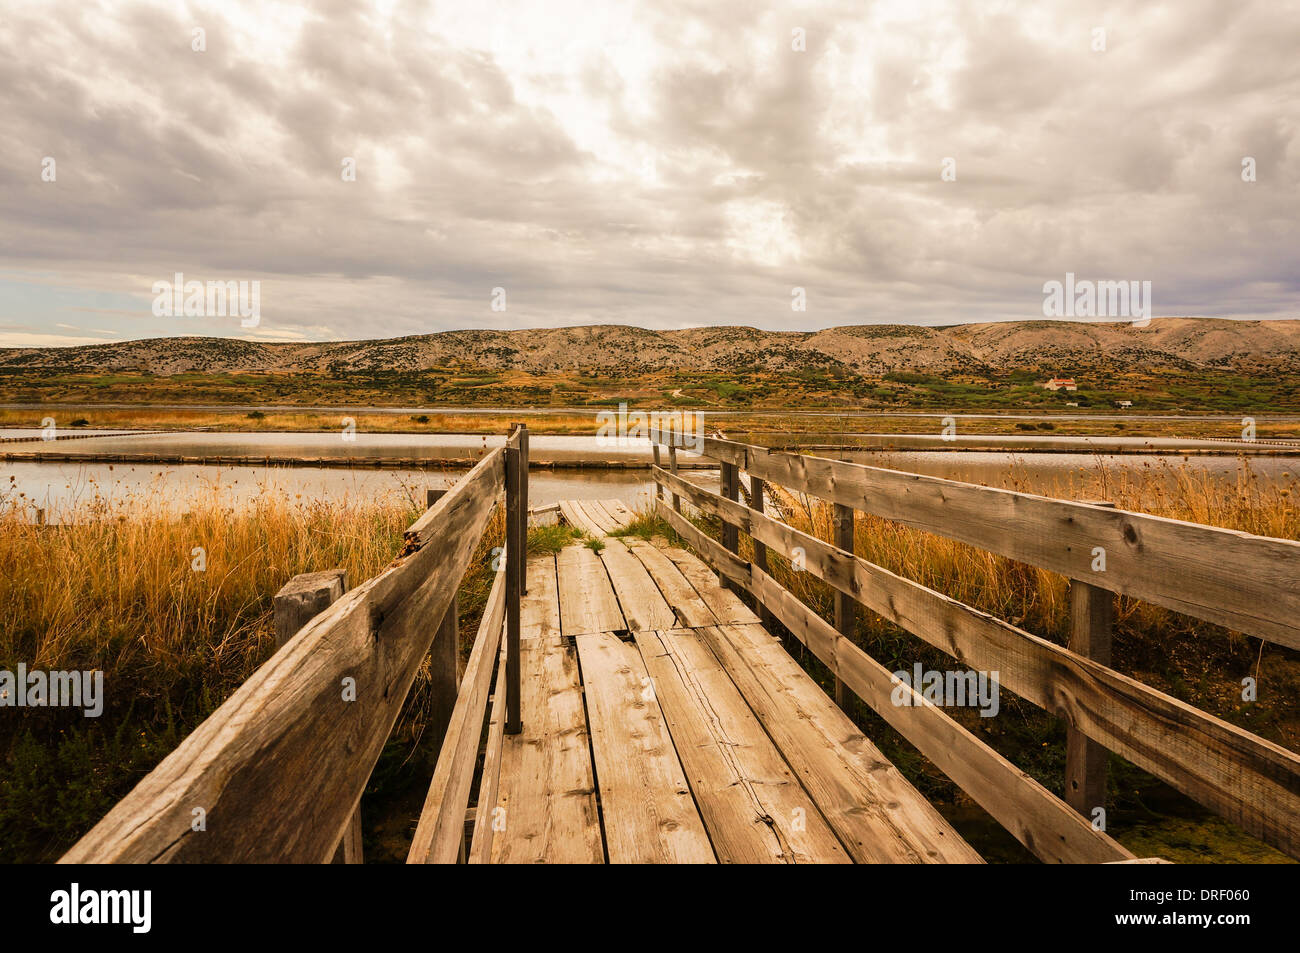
[(654, 448), (432, 496), (523, 509), (757, 489), (730, 534), (444, 656), (1092, 626), (515, 563), (846, 609), (672, 467)]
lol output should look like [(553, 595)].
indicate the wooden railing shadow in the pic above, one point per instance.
[(1250, 584)]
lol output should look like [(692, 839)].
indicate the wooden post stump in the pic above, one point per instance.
[(303, 598)]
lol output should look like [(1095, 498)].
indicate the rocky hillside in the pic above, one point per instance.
[(869, 351)]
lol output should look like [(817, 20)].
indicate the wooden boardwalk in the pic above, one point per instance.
[(663, 724), (621, 704)]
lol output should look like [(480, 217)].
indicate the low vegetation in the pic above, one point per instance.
[(117, 588)]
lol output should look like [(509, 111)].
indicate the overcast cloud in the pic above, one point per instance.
[(662, 164)]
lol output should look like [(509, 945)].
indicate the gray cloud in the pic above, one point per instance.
[(658, 164)]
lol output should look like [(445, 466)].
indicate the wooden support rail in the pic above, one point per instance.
[(439, 836), (1234, 579), (516, 560), (1247, 779), (273, 775)]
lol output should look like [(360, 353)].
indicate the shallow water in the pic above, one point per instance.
[(55, 487)]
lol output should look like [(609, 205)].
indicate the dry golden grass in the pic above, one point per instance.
[(149, 418), (115, 589)]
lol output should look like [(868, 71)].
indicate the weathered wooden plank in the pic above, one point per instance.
[(277, 769), (1172, 563), (596, 517), (846, 609), (753, 807), (1252, 782), (643, 606), (730, 486), (1092, 624), (686, 602), (546, 797), (724, 604), (620, 511), (587, 599), (539, 611), (727, 451), (575, 516), (672, 466), (599, 511), (516, 561), (1031, 813), (649, 814), (439, 834), (879, 817)]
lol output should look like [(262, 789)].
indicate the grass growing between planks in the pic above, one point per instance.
[(118, 589), (1195, 662), (647, 526), (551, 539)]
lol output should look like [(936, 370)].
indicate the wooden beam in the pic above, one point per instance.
[(516, 563), (672, 466), (1169, 562), (439, 835), (649, 814), (846, 607), (485, 815), (1092, 625), (730, 488), (757, 494)]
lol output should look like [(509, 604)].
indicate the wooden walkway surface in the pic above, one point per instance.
[(664, 724)]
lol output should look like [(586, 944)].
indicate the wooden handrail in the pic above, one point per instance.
[(1234, 579), (274, 773), (1247, 779)]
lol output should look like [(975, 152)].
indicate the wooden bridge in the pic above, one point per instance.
[(626, 700)]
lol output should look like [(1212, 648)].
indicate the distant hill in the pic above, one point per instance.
[(1246, 347)]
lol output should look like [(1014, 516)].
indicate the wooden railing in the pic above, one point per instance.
[(276, 773), (1248, 583)]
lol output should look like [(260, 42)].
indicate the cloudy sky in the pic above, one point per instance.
[(662, 164)]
